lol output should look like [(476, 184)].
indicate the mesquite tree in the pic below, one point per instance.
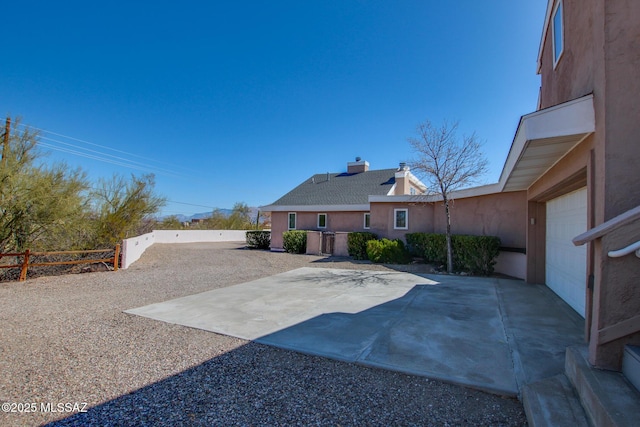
[(448, 163)]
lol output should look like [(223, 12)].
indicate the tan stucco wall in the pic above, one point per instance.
[(502, 214), (616, 287), (336, 221), (278, 226), (602, 56), (420, 219), (574, 73), (314, 243)]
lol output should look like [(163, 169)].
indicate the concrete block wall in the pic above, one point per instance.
[(133, 248)]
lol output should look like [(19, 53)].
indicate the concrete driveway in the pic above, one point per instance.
[(492, 334)]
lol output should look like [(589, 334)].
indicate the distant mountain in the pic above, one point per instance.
[(253, 212)]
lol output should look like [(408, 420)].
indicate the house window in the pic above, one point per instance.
[(322, 220), (558, 33), (292, 220), (401, 217), (367, 221)]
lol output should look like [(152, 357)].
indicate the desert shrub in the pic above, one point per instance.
[(432, 247), (294, 241), (357, 244), (387, 251), (475, 254), (258, 239), (417, 243)]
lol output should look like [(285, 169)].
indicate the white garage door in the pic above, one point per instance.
[(566, 264)]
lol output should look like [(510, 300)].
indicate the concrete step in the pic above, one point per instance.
[(553, 402), (607, 397), (631, 365)]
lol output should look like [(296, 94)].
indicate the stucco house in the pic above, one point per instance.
[(339, 202), (567, 204)]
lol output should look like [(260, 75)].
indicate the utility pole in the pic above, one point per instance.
[(5, 145)]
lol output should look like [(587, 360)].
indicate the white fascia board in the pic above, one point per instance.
[(547, 21), (406, 198), (414, 179), (570, 118), (391, 191), (316, 208), (481, 190)]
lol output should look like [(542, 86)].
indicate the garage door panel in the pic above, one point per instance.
[(566, 264)]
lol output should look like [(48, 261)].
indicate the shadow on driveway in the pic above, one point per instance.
[(492, 334)]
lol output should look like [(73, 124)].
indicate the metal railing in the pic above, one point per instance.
[(631, 325), (26, 259)]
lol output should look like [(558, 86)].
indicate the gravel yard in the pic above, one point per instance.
[(66, 345)]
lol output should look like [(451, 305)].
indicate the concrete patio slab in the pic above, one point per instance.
[(488, 333)]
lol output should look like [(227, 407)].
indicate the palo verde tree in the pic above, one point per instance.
[(124, 208), (448, 163), (37, 201)]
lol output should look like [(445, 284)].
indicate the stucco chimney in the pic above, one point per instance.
[(358, 166), (402, 180)]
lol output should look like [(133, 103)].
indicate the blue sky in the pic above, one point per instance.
[(240, 101)]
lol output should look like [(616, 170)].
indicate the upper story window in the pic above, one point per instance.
[(401, 219), (292, 220), (322, 220), (558, 33)]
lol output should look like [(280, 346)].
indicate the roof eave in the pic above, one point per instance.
[(543, 138), (316, 208)]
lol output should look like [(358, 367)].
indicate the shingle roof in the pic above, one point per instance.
[(340, 188)]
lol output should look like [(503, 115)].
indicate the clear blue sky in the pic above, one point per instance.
[(239, 101)]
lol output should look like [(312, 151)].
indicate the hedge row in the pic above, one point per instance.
[(357, 244), (473, 254), (388, 251), (294, 241), (258, 239)]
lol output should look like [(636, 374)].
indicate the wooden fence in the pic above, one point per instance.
[(24, 266)]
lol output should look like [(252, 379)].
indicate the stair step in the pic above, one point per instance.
[(631, 365), (607, 397), (553, 402)]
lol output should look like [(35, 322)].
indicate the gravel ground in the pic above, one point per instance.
[(66, 346)]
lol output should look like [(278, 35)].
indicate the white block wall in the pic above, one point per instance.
[(133, 248)]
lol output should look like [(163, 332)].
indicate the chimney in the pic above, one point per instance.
[(358, 166), (402, 180)]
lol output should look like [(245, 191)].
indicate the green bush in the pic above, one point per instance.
[(388, 251), (430, 246), (473, 254), (357, 244), (295, 241), (258, 239)]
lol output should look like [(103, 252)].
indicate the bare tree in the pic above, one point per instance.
[(448, 163)]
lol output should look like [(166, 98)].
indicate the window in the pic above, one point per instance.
[(558, 33), (367, 221), (292, 220), (401, 219), (322, 220)]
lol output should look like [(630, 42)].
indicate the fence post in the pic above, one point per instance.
[(116, 258), (25, 266)]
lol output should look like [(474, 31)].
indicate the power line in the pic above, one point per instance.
[(123, 162), (191, 204), (122, 159)]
